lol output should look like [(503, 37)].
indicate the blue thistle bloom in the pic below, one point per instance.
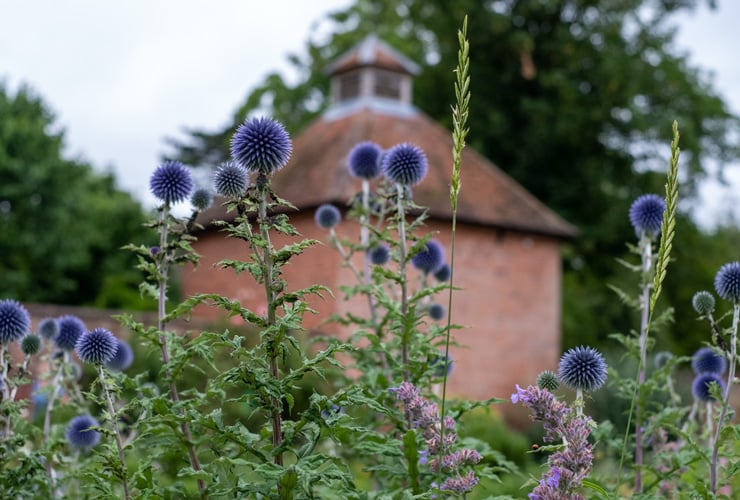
[(364, 160), (646, 214), (582, 368), (48, 328), (231, 180), (261, 145), (705, 360), (548, 380), (122, 358), (661, 359), (443, 273), (202, 199), (727, 282), (81, 433), (441, 365), (327, 216), (14, 321), (97, 346), (405, 164), (436, 311), (429, 259), (703, 302), (701, 383), (171, 182), (71, 328), (31, 344), (380, 254)]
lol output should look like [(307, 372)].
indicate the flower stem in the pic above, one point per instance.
[(402, 260), (114, 424), (646, 248), (56, 385)]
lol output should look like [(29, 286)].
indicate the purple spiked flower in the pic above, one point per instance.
[(436, 311), (703, 302), (81, 433), (261, 145), (364, 160), (582, 368), (97, 346), (202, 199), (429, 259), (327, 216), (14, 321), (727, 282), (443, 273), (646, 214), (379, 254), (231, 180), (71, 328), (700, 386), (405, 164), (122, 358), (706, 360), (171, 182), (48, 328)]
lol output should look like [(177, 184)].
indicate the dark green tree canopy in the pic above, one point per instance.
[(61, 223)]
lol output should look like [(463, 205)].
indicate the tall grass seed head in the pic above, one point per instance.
[(122, 358), (171, 182), (727, 282), (436, 311), (703, 302), (701, 383), (81, 433), (202, 199), (646, 214), (231, 180), (548, 380), (97, 346), (405, 164), (379, 254), (327, 216), (363, 161), (71, 329), (14, 321), (48, 328), (31, 344), (261, 145), (582, 368), (706, 360), (443, 273), (430, 258)]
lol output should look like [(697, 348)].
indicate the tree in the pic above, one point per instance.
[(61, 224), (573, 98)]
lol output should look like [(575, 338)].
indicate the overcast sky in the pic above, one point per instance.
[(120, 76)]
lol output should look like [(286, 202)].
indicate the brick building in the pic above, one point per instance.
[(507, 256)]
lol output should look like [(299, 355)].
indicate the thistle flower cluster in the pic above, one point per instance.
[(425, 416), (364, 160), (727, 282), (430, 258), (405, 164), (708, 366), (327, 216), (572, 463), (582, 368), (171, 182), (14, 321)]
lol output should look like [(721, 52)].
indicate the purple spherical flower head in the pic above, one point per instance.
[(379, 254), (327, 216), (71, 328), (14, 321), (436, 311), (582, 368), (122, 358), (706, 360), (443, 273), (48, 328), (727, 282), (646, 214), (31, 344), (261, 145), (97, 346), (81, 433), (701, 383), (364, 160), (429, 259), (202, 199), (171, 182), (231, 180), (405, 164)]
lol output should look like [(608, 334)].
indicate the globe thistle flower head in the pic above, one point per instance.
[(443, 273), (727, 282), (548, 380), (71, 328), (441, 365), (646, 214), (171, 182), (436, 311), (405, 164), (363, 161), (430, 258), (380, 254), (231, 180), (701, 384), (582, 368), (31, 344), (48, 328), (14, 321), (706, 360), (122, 358), (81, 433), (327, 216), (703, 302), (202, 199), (661, 359), (97, 346), (261, 145)]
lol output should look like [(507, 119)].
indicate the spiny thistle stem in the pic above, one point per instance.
[(114, 424), (726, 399), (56, 385), (460, 131), (365, 243), (4, 382), (402, 272), (14, 390), (646, 250)]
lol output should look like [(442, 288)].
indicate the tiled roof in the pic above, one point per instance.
[(372, 51)]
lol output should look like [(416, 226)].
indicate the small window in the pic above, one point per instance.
[(349, 86), (388, 84)]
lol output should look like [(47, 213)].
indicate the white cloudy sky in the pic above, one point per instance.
[(120, 76)]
